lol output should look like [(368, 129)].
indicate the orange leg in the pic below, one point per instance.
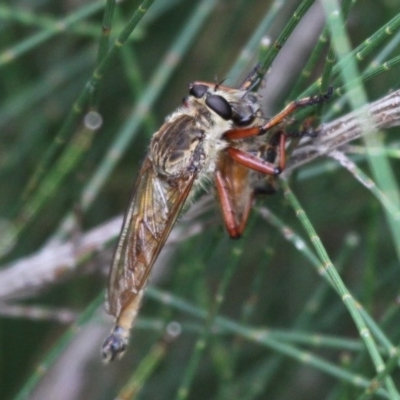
[(228, 211), (235, 194), (240, 133), (258, 164), (231, 179)]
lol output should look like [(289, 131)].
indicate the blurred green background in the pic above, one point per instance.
[(48, 53)]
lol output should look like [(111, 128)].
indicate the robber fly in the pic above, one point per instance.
[(213, 136)]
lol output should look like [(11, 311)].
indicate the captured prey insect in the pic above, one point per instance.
[(214, 135)]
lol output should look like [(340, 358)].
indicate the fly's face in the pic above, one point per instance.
[(237, 106)]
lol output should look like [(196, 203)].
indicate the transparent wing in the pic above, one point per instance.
[(152, 212)]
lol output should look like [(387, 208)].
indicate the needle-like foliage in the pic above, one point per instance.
[(304, 306)]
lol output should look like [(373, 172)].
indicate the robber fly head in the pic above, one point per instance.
[(239, 106)]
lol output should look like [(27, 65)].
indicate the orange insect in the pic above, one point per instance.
[(214, 135)]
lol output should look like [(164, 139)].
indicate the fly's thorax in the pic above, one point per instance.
[(192, 137), (176, 149)]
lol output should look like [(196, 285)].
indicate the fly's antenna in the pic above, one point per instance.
[(218, 83)]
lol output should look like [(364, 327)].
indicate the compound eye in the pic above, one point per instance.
[(243, 120), (220, 105), (198, 90)]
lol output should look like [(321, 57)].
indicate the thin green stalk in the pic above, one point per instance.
[(142, 373), (266, 62), (376, 66), (254, 42), (368, 183), (316, 341), (130, 129), (46, 23), (103, 48), (136, 81), (311, 63), (9, 55), (69, 159), (371, 43), (315, 300), (60, 74), (54, 354), (330, 60), (376, 331), (328, 270), (377, 382), (200, 346), (379, 164), (360, 52), (372, 72), (313, 303), (29, 208), (266, 340), (256, 286), (78, 107)]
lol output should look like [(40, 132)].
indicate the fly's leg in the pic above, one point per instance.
[(233, 183), (269, 152), (257, 163), (242, 133), (234, 228), (233, 187), (307, 130), (235, 194)]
